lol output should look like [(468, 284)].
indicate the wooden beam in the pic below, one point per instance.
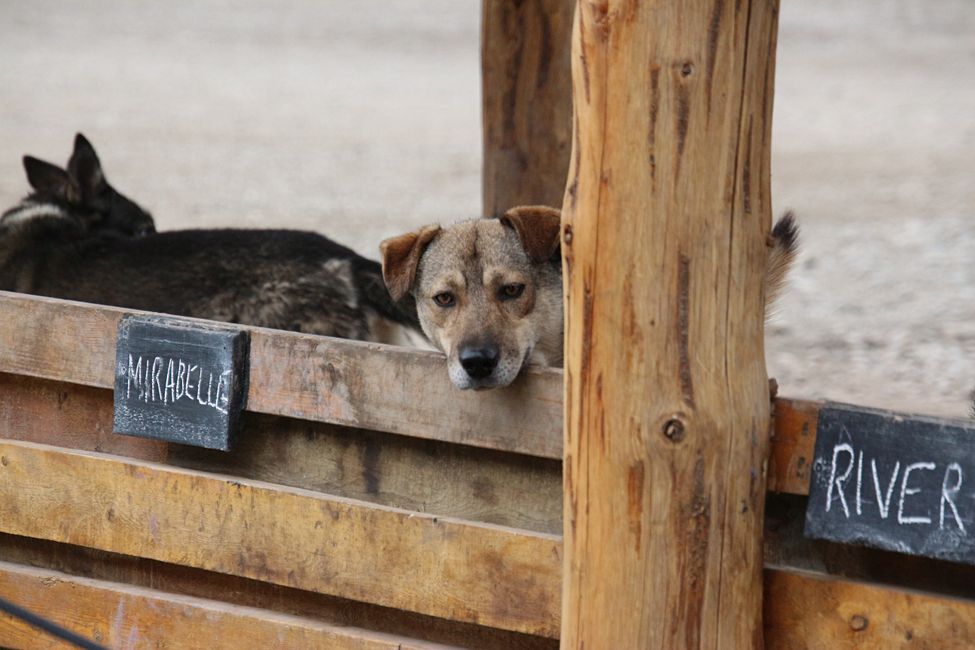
[(122, 616), (526, 91), (370, 386), (806, 611), (476, 573), (422, 475), (793, 445), (233, 590), (788, 549), (527, 419), (667, 210), (67, 415)]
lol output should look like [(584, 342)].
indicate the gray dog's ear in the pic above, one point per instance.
[(401, 256), (46, 178), (538, 227), (84, 168)]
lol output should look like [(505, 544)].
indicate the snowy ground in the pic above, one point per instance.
[(363, 123)]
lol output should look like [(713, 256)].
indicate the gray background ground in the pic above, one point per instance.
[(361, 120)]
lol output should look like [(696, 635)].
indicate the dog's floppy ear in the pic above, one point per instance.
[(538, 227), (401, 256), (47, 178), (84, 168)]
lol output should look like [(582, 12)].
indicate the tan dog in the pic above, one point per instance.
[(489, 291)]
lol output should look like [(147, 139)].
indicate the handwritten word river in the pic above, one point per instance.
[(168, 380), (921, 493)]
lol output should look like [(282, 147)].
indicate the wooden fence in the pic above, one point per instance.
[(367, 505)]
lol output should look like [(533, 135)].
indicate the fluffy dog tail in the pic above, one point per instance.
[(783, 244)]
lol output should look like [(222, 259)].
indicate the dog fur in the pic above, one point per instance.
[(80, 193), (76, 238), (488, 292)]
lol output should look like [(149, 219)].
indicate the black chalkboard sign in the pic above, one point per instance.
[(180, 381), (894, 482)]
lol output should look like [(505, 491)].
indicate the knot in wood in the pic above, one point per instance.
[(858, 623), (674, 429), (567, 235), (686, 69)]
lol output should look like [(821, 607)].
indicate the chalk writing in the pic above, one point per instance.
[(839, 489), (893, 482), (181, 381)]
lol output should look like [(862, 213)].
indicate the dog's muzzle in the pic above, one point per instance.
[(479, 361)]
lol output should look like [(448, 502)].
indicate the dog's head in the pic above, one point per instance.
[(488, 292), (85, 194)]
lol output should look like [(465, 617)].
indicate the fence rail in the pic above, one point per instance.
[(333, 523)]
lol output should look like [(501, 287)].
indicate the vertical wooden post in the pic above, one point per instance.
[(667, 210), (527, 101)]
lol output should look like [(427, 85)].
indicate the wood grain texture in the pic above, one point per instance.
[(787, 548), (476, 573), (666, 215), (172, 578), (812, 612), (351, 383), (420, 475), (793, 445), (526, 94), (80, 351), (400, 471), (66, 415), (122, 616)]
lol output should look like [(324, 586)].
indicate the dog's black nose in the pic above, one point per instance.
[(479, 362)]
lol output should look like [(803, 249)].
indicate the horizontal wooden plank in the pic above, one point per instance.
[(187, 581), (483, 574), (793, 443), (787, 548), (805, 611), (67, 415), (400, 471), (420, 475), (122, 616), (364, 385)]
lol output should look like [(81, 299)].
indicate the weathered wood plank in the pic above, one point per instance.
[(351, 383), (122, 616), (400, 390), (172, 578), (400, 471), (420, 475), (476, 573), (813, 612), (81, 351), (793, 445), (787, 548), (66, 415), (526, 93), (666, 215)]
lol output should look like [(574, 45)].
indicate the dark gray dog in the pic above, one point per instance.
[(79, 239)]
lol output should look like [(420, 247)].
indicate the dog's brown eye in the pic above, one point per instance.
[(511, 291), (444, 299)]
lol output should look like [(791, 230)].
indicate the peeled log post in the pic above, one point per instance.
[(667, 210), (527, 101)]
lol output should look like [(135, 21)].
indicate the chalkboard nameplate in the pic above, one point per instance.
[(180, 381), (894, 482)]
